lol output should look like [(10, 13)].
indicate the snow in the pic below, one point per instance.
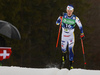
[(4, 70), (83, 72)]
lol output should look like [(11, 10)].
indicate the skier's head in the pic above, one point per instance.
[(70, 10)]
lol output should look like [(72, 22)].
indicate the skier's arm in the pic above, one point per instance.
[(78, 22), (58, 20)]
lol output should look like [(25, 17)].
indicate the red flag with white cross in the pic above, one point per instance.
[(5, 53)]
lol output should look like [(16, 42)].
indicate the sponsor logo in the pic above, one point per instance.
[(62, 45), (66, 35), (79, 21), (73, 17), (70, 40), (68, 21), (65, 16)]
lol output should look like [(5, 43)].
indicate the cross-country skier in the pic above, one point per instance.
[(69, 20)]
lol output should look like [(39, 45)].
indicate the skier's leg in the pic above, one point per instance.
[(63, 48), (71, 51), (63, 58)]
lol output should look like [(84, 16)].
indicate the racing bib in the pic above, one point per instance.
[(70, 24), (68, 21)]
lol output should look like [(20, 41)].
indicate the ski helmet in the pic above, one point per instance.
[(70, 7)]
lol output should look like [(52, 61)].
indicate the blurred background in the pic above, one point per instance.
[(36, 21)]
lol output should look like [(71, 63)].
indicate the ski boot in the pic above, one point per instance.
[(63, 60), (70, 65)]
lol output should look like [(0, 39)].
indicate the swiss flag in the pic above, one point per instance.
[(5, 53)]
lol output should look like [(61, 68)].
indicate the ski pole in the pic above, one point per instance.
[(83, 54), (59, 32)]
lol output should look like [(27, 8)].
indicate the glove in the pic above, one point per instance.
[(82, 36)]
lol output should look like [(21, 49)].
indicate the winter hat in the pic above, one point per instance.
[(70, 7)]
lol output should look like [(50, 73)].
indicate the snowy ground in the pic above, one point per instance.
[(45, 71)]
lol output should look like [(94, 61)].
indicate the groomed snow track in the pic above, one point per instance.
[(45, 71)]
